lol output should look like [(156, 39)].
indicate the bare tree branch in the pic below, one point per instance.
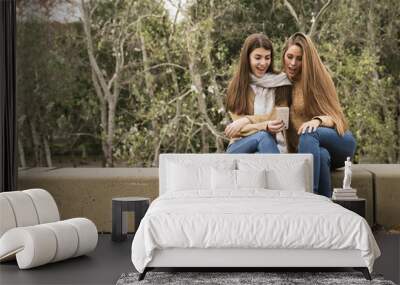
[(89, 42), (292, 12), (317, 18), (166, 64), (181, 96), (175, 19), (208, 125)]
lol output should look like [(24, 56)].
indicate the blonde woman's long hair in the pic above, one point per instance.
[(320, 97)]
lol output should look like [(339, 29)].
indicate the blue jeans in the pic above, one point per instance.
[(330, 151), (262, 142)]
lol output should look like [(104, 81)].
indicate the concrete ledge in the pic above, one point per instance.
[(386, 193), (87, 192)]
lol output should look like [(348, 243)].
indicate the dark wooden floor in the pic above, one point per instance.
[(111, 259)]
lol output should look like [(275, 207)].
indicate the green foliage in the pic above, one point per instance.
[(53, 89), (353, 43), (158, 108)]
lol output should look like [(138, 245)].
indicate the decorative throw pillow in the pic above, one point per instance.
[(186, 176), (293, 179), (182, 177), (223, 179), (251, 178), (281, 174)]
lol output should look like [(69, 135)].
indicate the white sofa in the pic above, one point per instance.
[(31, 230)]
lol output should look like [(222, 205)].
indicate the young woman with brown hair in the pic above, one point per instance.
[(317, 122), (251, 100)]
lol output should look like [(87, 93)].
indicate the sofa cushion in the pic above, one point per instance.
[(386, 192), (46, 207), (40, 244), (32, 246), (7, 215), (67, 240), (23, 208)]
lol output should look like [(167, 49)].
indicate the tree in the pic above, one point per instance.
[(351, 46), (114, 33), (128, 82), (50, 83), (298, 13)]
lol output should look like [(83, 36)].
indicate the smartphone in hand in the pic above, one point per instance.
[(283, 114)]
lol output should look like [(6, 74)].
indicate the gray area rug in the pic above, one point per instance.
[(232, 278)]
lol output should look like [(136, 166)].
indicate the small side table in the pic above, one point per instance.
[(356, 205), (138, 205)]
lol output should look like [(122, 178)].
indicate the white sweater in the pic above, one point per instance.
[(264, 103)]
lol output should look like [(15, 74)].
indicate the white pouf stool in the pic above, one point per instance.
[(31, 230)]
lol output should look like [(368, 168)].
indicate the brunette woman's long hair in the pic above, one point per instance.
[(237, 94), (319, 92)]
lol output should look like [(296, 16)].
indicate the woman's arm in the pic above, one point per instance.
[(234, 128), (272, 126), (314, 123), (326, 121), (254, 119), (250, 129), (243, 126)]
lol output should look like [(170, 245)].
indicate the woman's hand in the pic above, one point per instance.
[(275, 126), (233, 129), (311, 126)]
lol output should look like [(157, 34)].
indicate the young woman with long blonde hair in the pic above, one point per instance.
[(317, 122), (252, 95)]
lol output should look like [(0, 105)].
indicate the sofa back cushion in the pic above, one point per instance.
[(26, 208)]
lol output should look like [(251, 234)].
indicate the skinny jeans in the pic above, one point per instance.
[(329, 151), (261, 142)]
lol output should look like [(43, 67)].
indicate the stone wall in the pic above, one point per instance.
[(87, 192)]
